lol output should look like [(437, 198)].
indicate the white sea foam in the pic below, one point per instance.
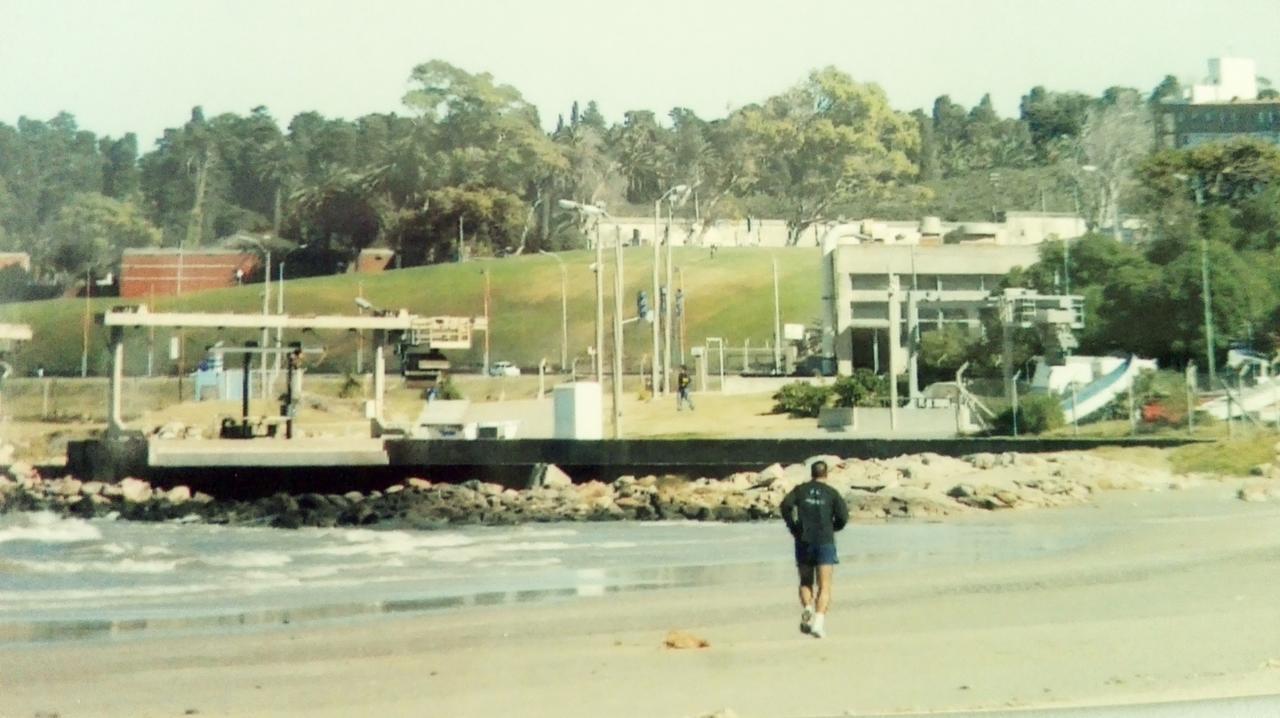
[(533, 546), (459, 555), (16, 599), (249, 559), (381, 543), (684, 523), (127, 565), (525, 531), (526, 563), (317, 572), (44, 527), (257, 581)]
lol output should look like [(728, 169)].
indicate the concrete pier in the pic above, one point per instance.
[(265, 466)]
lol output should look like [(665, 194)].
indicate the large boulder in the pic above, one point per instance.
[(771, 474), (178, 495), (554, 477), (66, 486), (135, 491)]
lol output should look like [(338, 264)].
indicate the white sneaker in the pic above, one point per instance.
[(816, 628), (806, 617)]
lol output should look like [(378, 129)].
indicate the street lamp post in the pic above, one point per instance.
[(564, 310), (1198, 186), (617, 334), (670, 195), (592, 210), (266, 309)]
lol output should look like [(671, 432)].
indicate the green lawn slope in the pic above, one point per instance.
[(729, 296)]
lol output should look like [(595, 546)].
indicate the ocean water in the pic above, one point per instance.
[(67, 578)]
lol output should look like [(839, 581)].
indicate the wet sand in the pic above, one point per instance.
[(1179, 604)]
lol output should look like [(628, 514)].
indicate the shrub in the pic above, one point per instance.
[(446, 389), (801, 399), (1037, 414), (863, 388)]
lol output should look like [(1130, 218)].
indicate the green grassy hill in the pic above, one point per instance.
[(729, 296)]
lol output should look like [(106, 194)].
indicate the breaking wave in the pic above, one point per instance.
[(45, 527)]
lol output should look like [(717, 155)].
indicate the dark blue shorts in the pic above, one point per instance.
[(822, 554)]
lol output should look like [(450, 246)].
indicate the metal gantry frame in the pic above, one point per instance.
[(118, 319)]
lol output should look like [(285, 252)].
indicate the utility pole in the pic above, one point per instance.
[(777, 321), (1014, 385), (151, 332), (488, 325), (679, 302), (1066, 265), (1191, 397), (266, 309), (564, 317), (360, 334), (617, 334), (84, 351), (668, 311), (461, 239), (599, 308), (564, 309), (279, 330), (657, 260), (1208, 310)]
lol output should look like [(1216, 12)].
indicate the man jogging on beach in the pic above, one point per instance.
[(814, 511)]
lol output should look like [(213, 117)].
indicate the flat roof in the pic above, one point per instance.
[(146, 251)]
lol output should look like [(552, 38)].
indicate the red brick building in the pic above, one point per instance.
[(144, 272)]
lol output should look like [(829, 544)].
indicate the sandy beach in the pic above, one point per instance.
[(1178, 603)]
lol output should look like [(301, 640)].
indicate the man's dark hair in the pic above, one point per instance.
[(818, 469)]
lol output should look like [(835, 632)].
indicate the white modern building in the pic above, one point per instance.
[(1224, 108), (874, 291), (1231, 79)]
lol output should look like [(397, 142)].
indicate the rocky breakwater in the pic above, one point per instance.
[(912, 486)]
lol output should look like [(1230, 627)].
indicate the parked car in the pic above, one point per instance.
[(503, 368)]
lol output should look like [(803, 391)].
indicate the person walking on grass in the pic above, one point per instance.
[(813, 512), (682, 390)]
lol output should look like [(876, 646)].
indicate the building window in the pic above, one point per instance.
[(869, 310), (929, 282), (869, 282)]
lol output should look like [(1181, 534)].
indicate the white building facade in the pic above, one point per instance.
[(874, 291)]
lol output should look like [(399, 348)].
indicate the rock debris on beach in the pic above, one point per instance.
[(682, 640), (910, 486)]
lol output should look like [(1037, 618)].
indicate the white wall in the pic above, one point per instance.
[(1230, 78)]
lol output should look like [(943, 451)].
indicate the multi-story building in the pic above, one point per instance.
[(877, 293), (1224, 108)]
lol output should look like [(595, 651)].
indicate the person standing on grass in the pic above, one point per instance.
[(682, 390), (813, 512)]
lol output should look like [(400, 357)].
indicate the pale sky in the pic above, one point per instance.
[(140, 65)]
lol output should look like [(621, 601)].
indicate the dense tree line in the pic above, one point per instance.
[(1215, 205), (468, 168)]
